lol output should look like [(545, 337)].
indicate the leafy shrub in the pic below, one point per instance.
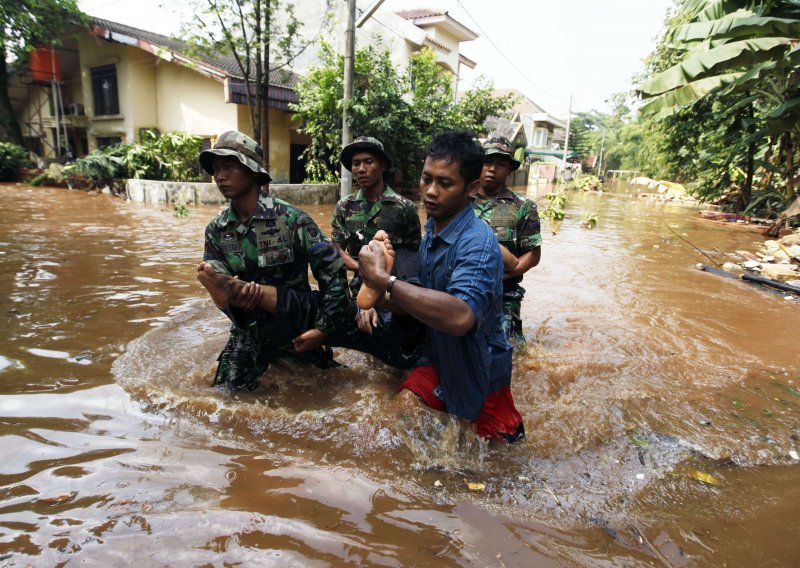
[(12, 159), (55, 174), (102, 166), (586, 182), (166, 157), (555, 208), (589, 221), (177, 152)]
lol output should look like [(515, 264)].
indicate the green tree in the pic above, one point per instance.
[(402, 108), (261, 35), (732, 67), (26, 23), (581, 139), (378, 108)]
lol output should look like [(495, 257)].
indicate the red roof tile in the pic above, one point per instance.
[(420, 13)]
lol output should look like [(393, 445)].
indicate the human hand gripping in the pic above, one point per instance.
[(374, 268)]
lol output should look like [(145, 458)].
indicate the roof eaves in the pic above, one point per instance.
[(438, 44), (464, 60), (170, 49)]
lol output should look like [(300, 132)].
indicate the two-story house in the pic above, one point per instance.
[(109, 81)]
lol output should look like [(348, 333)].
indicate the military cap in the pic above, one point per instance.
[(241, 147), (364, 144), (502, 146)]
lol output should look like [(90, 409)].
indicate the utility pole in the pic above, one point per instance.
[(349, 63), (566, 140), (600, 161)]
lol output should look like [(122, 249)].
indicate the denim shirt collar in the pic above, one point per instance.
[(451, 232)]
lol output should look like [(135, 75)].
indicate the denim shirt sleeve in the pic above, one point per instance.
[(475, 275)]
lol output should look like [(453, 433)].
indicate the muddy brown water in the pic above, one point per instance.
[(662, 406)]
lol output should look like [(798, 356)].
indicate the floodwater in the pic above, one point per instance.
[(662, 406)]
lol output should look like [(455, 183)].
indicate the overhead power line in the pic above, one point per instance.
[(514, 65)]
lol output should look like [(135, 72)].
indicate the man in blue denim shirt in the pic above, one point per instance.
[(466, 366)]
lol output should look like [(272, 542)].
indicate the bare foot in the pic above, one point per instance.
[(509, 260), (221, 287), (368, 297)]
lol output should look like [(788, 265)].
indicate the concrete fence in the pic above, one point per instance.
[(198, 193)]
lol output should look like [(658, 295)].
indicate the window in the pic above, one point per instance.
[(539, 138), (104, 90), (106, 141)]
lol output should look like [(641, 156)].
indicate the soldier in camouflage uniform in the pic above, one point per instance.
[(515, 221), (373, 207), (257, 255)]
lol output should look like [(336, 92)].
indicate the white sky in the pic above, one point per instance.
[(548, 49)]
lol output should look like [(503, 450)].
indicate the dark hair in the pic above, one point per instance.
[(458, 146)]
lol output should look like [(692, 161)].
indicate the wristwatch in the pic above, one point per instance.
[(389, 285)]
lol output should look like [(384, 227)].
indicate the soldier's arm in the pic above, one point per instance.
[(212, 253), (412, 235), (349, 262), (232, 297), (529, 239), (339, 237), (328, 268)]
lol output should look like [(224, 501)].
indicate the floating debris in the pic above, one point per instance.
[(475, 486), (704, 477)]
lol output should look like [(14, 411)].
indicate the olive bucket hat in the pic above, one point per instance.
[(241, 147), (502, 146), (364, 144)]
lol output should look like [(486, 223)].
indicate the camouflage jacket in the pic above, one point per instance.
[(514, 219), (356, 220), (276, 246)]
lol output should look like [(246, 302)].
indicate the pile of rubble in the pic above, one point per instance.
[(778, 260), (663, 190)]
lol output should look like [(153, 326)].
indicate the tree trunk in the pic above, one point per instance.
[(745, 191), (790, 143), (259, 75), (9, 127)]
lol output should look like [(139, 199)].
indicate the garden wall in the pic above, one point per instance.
[(198, 193)]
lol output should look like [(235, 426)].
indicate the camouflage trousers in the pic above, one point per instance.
[(259, 339), (512, 318)]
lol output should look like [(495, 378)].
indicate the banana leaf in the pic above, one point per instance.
[(790, 105), (704, 10), (671, 101), (737, 54), (736, 26)]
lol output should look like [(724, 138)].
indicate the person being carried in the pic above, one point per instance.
[(255, 267), (375, 209), (515, 221), (465, 368)]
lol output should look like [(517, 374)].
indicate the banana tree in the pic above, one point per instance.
[(736, 49)]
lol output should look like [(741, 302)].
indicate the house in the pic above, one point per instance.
[(111, 81), (543, 131), (402, 33)]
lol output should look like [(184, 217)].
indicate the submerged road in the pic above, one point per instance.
[(662, 406)]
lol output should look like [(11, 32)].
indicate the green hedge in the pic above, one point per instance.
[(12, 159)]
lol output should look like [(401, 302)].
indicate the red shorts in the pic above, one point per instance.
[(499, 417)]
